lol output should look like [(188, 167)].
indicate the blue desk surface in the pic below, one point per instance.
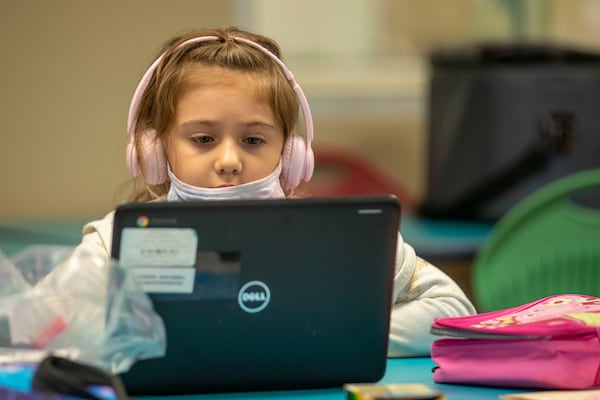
[(434, 239), (399, 370)]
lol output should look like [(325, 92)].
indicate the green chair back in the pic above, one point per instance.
[(549, 243)]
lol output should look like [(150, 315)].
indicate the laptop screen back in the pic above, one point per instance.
[(263, 294)]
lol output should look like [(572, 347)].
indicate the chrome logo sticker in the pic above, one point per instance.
[(142, 221), (254, 296)]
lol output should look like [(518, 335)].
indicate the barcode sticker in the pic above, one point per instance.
[(158, 247)]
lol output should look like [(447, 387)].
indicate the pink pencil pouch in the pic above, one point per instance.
[(551, 343)]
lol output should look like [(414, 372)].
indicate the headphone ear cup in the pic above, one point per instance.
[(132, 159), (309, 164), (294, 167), (153, 166)]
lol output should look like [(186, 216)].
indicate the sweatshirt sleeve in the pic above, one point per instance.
[(422, 292), (97, 236)]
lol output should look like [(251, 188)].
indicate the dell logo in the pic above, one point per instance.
[(254, 296)]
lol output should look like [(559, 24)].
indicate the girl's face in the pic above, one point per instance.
[(225, 132)]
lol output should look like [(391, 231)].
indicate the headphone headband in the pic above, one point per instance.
[(143, 84)]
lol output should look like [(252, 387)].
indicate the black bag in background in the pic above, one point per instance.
[(504, 120)]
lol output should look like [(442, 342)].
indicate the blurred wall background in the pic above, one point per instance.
[(69, 68)]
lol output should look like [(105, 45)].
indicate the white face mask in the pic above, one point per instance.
[(268, 187)]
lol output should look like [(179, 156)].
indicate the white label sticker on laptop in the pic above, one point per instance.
[(165, 280), (158, 247)]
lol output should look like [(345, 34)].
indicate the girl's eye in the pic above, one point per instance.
[(202, 139), (254, 140)]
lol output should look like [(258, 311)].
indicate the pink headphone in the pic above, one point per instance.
[(297, 158)]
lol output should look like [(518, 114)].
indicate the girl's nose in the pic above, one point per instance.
[(228, 160)]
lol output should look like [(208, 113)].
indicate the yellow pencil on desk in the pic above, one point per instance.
[(393, 391)]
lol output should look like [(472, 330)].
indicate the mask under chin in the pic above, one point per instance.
[(268, 187)]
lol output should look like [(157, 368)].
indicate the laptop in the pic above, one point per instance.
[(263, 294)]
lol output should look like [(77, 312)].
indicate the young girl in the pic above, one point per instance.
[(214, 118)]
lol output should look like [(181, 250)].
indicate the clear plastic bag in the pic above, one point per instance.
[(59, 300)]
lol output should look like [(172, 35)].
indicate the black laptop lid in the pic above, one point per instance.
[(263, 294)]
